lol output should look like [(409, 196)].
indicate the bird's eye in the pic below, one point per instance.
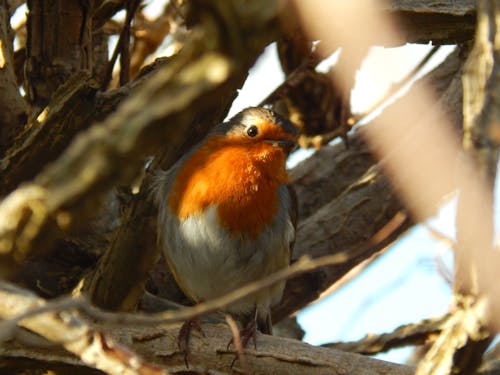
[(252, 131)]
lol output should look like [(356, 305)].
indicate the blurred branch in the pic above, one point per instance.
[(424, 153), (64, 326), (74, 107), (394, 88), (347, 122), (106, 9), (150, 34), (72, 185)]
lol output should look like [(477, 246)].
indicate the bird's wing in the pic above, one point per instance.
[(294, 213)]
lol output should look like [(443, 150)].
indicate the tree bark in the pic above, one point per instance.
[(441, 22), (59, 45), (157, 346)]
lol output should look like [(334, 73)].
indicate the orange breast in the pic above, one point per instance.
[(240, 178)]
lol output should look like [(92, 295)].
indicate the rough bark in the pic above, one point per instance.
[(70, 111), (59, 45), (158, 347), (441, 22), (75, 183)]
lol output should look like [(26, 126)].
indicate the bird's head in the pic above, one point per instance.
[(260, 128)]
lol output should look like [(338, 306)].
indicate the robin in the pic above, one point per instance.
[(227, 214)]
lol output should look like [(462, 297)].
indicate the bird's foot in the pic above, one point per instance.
[(185, 334), (241, 338), (249, 332)]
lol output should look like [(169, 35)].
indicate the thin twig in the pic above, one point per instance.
[(447, 242), (441, 237), (351, 275), (125, 42), (120, 45), (420, 333)]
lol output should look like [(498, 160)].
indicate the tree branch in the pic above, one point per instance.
[(70, 187), (420, 333), (69, 112), (439, 22), (59, 44), (158, 344)]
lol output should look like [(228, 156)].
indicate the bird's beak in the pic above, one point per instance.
[(286, 145)]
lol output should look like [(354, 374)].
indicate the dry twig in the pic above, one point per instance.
[(420, 333)]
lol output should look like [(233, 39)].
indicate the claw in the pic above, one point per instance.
[(185, 334), (241, 337)]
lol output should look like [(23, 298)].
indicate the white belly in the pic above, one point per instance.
[(209, 262)]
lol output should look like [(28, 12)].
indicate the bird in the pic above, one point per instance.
[(227, 214)]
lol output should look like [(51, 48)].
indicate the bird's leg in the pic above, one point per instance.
[(241, 337), (249, 331), (185, 334)]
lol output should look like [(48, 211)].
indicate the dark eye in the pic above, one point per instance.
[(252, 131)]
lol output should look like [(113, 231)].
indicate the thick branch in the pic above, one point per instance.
[(420, 333), (475, 230), (439, 22), (59, 45), (67, 191), (158, 346), (455, 7), (70, 110), (74, 107), (68, 329)]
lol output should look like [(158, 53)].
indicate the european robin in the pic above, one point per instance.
[(227, 214)]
